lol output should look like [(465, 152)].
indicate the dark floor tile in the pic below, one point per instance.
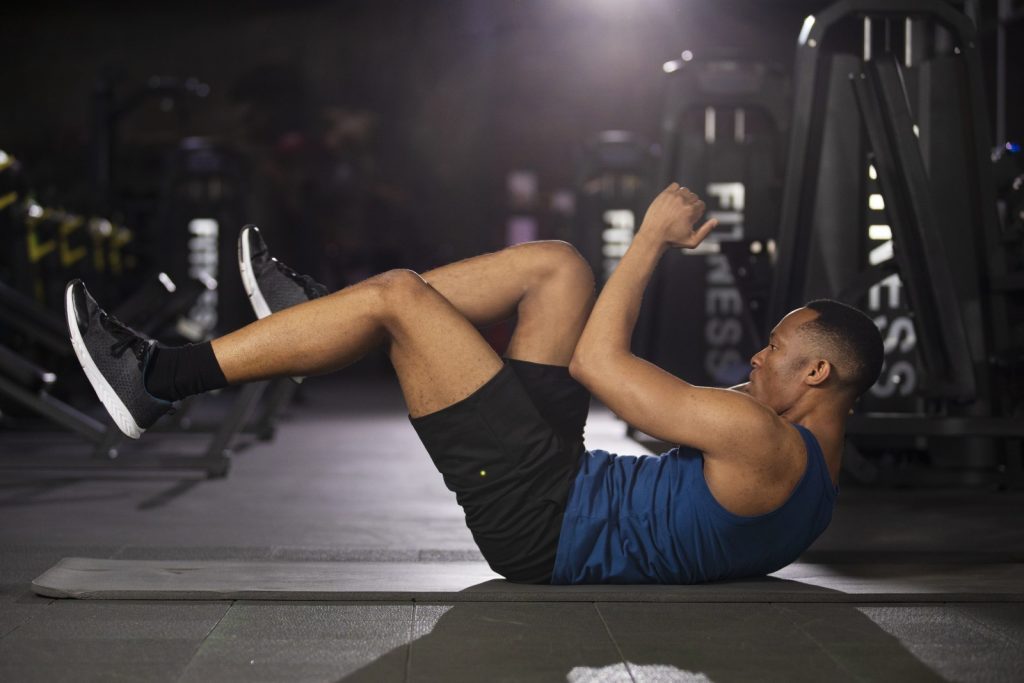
[(259, 670), (303, 641), (83, 672), (506, 642), (724, 642), (19, 649), (16, 612), (110, 639), (254, 619), (1006, 621), (125, 619), (950, 642), (857, 643)]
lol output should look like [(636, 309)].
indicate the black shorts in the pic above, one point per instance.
[(510, 452)]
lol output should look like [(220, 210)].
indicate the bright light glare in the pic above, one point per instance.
[(206, 227), (883, 252), (805, 30), (624, 235), (671, 66), (872, 173), (687, 55), (876, 203), (167, 282), (879, 232)]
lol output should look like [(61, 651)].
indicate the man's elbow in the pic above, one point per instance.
[(577, 367), (587, 366), (584, 365)]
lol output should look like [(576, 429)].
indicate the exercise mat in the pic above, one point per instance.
[(85, 578)]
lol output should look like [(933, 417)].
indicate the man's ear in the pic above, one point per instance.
[(818, 373)]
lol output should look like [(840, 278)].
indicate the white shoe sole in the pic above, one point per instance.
[(252, 289), (108, 397)]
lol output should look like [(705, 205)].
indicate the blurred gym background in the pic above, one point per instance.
[(362, 136)]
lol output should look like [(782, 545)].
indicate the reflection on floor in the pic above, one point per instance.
[(346, 480)]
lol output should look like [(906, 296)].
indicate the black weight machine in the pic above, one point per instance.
[(722, 134), (201, 185), (889, 204)]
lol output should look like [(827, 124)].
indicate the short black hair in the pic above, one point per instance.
[(851, 340)]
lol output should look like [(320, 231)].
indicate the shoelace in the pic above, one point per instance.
[(127, 338), (311, 287)]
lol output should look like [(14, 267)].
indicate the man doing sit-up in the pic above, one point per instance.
[(751, 489)]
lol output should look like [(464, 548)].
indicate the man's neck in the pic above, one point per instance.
[(826, 419)]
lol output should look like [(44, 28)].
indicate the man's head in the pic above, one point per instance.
[(825, 345)]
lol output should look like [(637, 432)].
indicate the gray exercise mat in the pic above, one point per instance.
[(85, 578)]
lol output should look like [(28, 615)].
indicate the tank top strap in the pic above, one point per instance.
[(816, 465)]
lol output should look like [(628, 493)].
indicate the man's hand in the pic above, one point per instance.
[(671, 216)]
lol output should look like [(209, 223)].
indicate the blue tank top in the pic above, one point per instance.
[(652, 519)]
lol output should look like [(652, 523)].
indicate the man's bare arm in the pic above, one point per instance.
[(656, 402)]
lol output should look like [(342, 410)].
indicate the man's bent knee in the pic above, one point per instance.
[(558, 259), (399, 289)]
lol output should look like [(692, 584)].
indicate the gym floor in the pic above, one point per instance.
[(346, 479)]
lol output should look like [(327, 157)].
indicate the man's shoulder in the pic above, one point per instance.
[(749, 430), (758, 480)]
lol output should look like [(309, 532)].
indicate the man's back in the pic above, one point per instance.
[(654, 519)]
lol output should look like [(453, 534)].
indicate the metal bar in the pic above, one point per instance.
[(56, 410), (811, 84), (217, 452), (277, 397), (908, 42), (866, 52), (917, 244), (1005, 9), (798, 194)]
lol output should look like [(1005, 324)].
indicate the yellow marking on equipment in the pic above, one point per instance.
[(69, 255), (483, 473), (121, 237), (37, 250), (8, 199)]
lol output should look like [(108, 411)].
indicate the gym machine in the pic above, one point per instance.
[(721, 132), (34, 349), (158, 306), (613, 189), (889, 204)]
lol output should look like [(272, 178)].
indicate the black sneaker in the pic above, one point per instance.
[(100, 342), (271, 285)]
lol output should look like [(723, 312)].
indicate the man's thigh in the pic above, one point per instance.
[(439, 356)]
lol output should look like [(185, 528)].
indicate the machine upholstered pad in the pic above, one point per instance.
[(85, 578)]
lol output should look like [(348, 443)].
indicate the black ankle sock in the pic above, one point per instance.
[(175, 372)]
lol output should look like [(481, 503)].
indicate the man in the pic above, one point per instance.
[(751, 490)]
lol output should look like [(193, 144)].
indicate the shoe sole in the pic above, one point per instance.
[(252, 289), (108, 397)]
